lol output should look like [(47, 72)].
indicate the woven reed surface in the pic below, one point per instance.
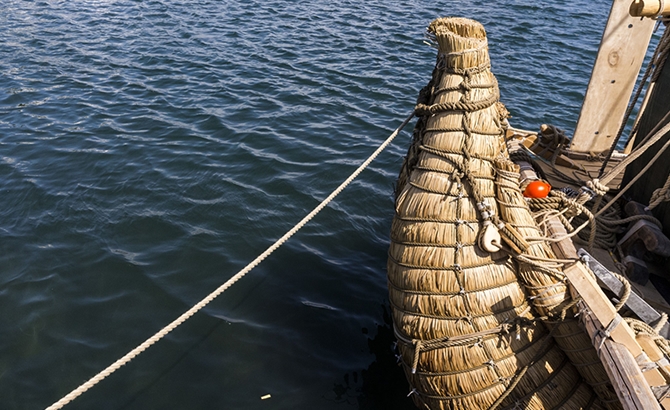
[(465, 330), (548, 292)]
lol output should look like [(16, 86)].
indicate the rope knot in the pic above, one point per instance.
[(456, 176), (597, 187), (660, 195), (422, 110)]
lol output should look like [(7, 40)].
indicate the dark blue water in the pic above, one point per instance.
[(151, 149)]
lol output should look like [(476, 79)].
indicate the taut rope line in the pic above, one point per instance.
[(197, 307)]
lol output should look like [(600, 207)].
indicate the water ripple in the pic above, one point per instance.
[(150, 149)]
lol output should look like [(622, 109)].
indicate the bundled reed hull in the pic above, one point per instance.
[(546, 285), (466, 333)]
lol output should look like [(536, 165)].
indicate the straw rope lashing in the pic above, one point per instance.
[(587, 218), (581, 222), (549, 293), (466, 334)]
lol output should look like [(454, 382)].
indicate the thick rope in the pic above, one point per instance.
[(660, 195), (660, 133), (198, 306), (599, 188), (467, 106), (599, 229), (470, 339), (621, 166), (626, 292)]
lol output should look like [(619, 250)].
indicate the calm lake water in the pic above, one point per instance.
[(151, 149)]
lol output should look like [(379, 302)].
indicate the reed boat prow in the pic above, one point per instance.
[(504, 296)]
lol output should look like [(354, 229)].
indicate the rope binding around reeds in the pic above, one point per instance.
[(460, 266)]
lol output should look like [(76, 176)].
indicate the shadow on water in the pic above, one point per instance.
[(382, 385), (173, 364)]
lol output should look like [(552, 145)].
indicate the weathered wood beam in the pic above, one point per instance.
[(635, 303), (618, 350), (622, 50), (603, 311), (629, 383)]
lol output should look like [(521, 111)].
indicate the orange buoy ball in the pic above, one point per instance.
[(537, 189)]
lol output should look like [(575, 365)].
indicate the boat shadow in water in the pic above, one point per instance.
[(383, 384)]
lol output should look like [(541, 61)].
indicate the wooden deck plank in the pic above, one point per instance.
[(584, 171)]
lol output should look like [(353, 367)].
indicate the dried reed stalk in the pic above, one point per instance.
[(466, 334), (549, 293)]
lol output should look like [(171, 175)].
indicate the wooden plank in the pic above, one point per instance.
[(622, 50), (601, 307), (585, 170), (604, 312), (652, 296), (655, 354), (629, 384), (564, 249), (642, 309)]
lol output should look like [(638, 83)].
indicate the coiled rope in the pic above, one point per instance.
[(198, 306)]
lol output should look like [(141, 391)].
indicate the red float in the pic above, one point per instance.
[(537, 189)]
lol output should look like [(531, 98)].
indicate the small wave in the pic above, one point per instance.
[(318, 305)]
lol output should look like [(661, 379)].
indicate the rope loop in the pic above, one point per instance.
[(425, 110), (660, 195), (596, 186)]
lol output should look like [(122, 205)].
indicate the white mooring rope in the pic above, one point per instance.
[(181, 319)]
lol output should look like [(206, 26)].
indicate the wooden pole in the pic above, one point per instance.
[(649, 8)]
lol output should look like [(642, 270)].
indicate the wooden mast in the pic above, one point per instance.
[(622, 50)]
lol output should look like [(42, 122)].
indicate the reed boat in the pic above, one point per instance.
[(527, 269)]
